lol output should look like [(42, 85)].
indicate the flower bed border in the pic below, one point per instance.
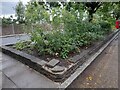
[(40, 66)]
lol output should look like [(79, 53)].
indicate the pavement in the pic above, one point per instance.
[(17, 75), (103, 72), (12, 39)]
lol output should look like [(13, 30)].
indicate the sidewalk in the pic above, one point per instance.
[(103, 72), (12, 39), (18, 75)]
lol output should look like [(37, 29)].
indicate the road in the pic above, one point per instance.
[(103, 72)]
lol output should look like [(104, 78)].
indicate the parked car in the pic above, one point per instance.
[(117, 24)]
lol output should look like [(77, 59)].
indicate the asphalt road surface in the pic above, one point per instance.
[(103, 72)]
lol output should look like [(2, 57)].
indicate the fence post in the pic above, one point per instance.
[(13, 29)]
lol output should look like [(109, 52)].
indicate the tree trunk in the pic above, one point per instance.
[(90, 16)]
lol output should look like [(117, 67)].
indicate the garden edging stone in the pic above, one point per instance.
[(52, 63)]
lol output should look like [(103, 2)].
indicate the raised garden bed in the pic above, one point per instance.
[(55, 68)]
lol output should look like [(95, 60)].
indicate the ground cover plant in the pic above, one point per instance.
[(69, 32)]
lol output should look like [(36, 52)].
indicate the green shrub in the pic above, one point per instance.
[(75, 34), (21, 45), (61, 43), (105, 26)]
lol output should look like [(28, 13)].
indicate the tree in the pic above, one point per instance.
[(35, 13), (92, 7), (116, 12), (6, 21), (20, 12), (109, 11)]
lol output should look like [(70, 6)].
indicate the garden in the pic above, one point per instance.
[(63, 35)]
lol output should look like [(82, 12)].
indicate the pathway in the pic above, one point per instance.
[(103, 72), (12, 39), (17, 75)]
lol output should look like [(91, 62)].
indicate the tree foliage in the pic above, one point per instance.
[(116, 11), (20, 12), (35, 13), (92, 7), (9, 20)]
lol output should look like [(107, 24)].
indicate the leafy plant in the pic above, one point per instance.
[(105, 26), (61, 41), (21, 45), (20, 12)]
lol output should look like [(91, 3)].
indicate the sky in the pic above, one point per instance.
[(7, 7), (24, 1)]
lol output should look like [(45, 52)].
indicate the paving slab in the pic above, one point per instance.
[(23, 76), (7, 83), (7, 64), (52, 63), (13, 70)]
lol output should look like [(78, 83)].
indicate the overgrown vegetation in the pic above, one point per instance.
[(8, 21), (20, 13), (69, 31)]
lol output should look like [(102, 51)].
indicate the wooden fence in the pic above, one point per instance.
[(11, 29)]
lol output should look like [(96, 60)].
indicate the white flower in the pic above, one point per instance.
[(32, 43)]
